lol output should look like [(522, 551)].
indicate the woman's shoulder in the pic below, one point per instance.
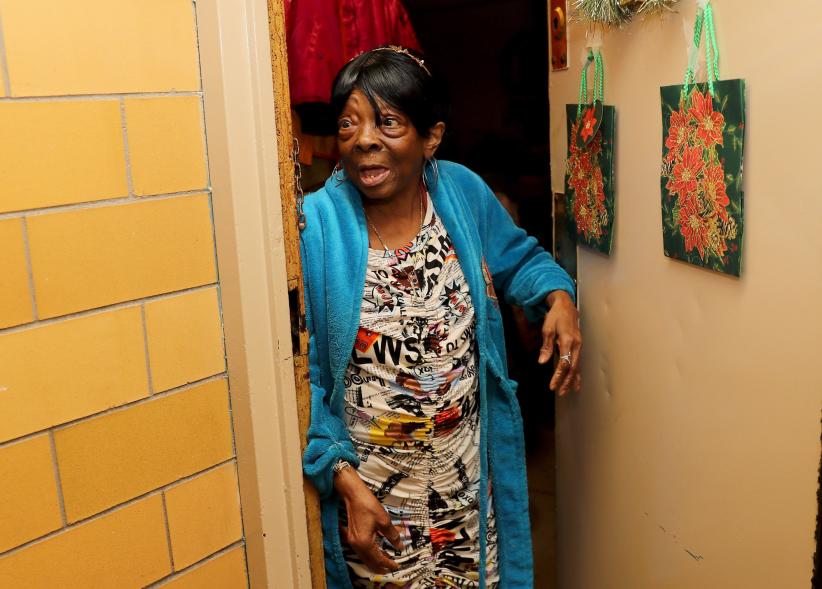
[(328, 211), (469, 187), (459, 173), (328, 202), (317, 201), (316, 208)]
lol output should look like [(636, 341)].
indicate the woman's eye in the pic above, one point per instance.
[(390, 122), (344, 124)]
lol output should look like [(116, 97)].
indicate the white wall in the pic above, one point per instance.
[(698, 427)]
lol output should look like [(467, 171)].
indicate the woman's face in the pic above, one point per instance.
[(384, 161)]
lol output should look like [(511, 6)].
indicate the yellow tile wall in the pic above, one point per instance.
[(113, 391), (15, 297), (165, 137), (54, 47), (226, 571), (87, 258), (29, 506), (185, 338), (124, 548), (56, 153), (193, 505), (61, 371), (110, 459)]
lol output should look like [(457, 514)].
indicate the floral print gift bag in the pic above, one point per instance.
[(589, 175), (703, 127)]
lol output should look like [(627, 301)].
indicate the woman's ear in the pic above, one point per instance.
[(432, 142)]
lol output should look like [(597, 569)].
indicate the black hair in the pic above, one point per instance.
[(399, 81)]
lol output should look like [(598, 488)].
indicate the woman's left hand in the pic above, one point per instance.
[(561, 329)]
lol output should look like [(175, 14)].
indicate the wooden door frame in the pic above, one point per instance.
[(248, 131)]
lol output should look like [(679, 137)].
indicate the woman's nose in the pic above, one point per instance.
[(367, 139)]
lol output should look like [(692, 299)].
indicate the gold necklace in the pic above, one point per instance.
[(408, 275), (377, 233)]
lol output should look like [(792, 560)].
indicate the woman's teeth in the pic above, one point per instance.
[(373, 176)]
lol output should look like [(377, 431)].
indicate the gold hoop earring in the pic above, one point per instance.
[(338, 173), (435, 174)]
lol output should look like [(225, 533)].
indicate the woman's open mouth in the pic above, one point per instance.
[(372, 175)]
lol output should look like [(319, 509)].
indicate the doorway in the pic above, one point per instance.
[(494, 56)]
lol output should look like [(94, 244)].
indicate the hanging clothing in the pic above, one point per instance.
[(494, 255), (412, 411), (323, 35)]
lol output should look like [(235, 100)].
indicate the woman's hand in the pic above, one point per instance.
[(367, 520), (561, 328)]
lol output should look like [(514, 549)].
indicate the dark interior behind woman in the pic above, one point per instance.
[(415, 444)]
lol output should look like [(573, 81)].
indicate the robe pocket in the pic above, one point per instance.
[(509, 386), (510, 401)]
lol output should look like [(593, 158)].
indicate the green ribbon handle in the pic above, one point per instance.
[(704, 20), (583, 83), (599, 80)]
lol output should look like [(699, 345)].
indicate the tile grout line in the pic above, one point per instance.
[(168, 531), (126, 148), (231, 421), (194, 475), (203, 130), (146, 399), (197, 43), (78, 523), (230, 396), (29, 271), (196, 565), (90, 97), (118, 507), (237, 483), (145, 347), (73, 525), (23, 438), (105, 309), (58, 479), (123, 407), (4, 62), (96, 204)]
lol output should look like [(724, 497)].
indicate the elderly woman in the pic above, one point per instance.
[(415, 444)]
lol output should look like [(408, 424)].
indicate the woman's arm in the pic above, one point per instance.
[(367, 520), (561, 329), (523, 272), (529, 277), (327, 436), (330, 443)]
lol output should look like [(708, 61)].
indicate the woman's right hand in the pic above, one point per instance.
[(367, 520)]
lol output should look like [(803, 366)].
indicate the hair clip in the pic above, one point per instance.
[(404, 51)]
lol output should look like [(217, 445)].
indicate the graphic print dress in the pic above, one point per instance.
[(412, 409)]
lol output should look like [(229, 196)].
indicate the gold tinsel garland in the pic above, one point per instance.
[(617, 13)]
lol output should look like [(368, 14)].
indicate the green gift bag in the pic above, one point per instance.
[(703, 128), (589, 174)]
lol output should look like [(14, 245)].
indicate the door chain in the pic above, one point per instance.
[(298, 185)]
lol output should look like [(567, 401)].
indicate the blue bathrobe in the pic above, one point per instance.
[(496, 257)]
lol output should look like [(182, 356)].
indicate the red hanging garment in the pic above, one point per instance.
[(322, 35)]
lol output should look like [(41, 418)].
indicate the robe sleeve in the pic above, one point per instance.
[(328, 439), (521, 269)]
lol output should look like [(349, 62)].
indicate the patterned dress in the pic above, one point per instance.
[(412, 409)]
